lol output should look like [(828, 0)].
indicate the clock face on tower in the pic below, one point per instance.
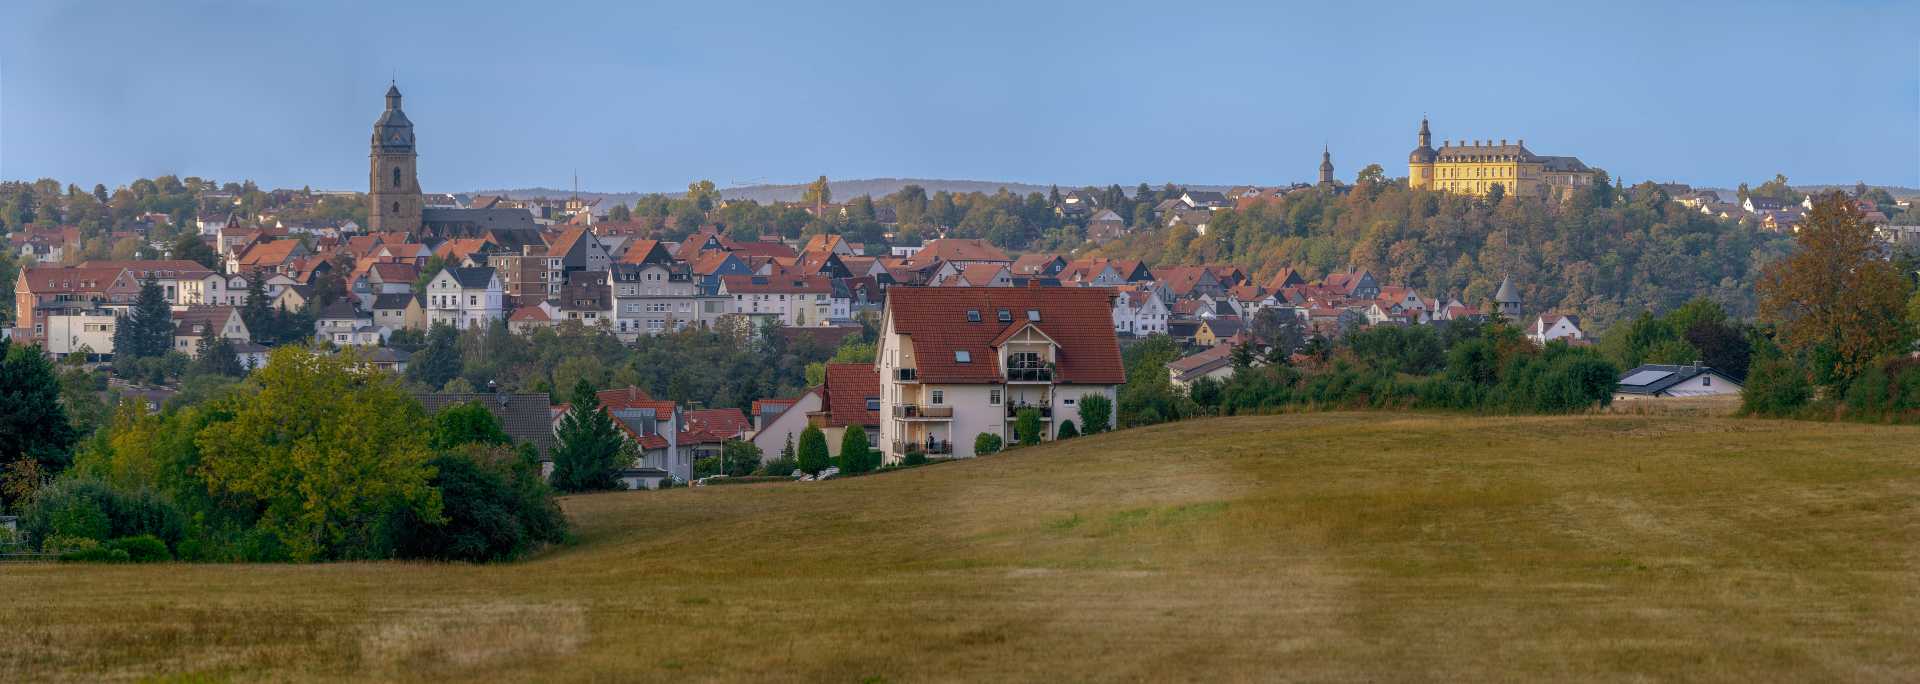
[(397, 140)]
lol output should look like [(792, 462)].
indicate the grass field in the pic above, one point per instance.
[(1319, 546)]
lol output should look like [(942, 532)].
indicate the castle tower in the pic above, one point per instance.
[(1506, 299), (1326, 167), (1420, 161), (393, 187)]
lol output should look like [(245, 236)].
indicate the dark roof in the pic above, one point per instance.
[(1653, 379), (476, 277), (1202, 362), (392, 300), (526, 417), (1079, 320)]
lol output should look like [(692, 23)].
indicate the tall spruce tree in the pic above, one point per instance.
[(439, 361), (591, 451), (147, 330)]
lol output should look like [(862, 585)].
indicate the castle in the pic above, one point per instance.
[(1477, 167)]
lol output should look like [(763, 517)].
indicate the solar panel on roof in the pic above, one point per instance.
[(1646, 377)]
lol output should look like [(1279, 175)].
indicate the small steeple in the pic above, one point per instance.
[(1426, 136), (393, 95), (1326, 165)]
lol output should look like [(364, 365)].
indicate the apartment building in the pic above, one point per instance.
[(955, 363)]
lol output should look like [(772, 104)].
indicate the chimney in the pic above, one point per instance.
[(1503, 142)]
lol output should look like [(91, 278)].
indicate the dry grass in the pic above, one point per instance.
[(1323, 547)]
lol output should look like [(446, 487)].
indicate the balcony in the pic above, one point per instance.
[(1013, 410), (932, 447), (1029, 374), (906, 374), (918, 412)]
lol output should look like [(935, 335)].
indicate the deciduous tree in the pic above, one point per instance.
[(1834, 304)]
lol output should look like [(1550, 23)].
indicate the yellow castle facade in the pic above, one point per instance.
[(1476, 167)]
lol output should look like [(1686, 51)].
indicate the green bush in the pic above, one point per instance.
[(144, 548), (781, 467), (914, 458), (1027, 427), (86, 508), (1067, 430), (813, 451), (1096, 413), (494, 504), (706, 466), (1775, 387), (986, 443), (98, 554)]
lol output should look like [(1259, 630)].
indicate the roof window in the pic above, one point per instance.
[(962, 356), (973, 315), (1006, 316), (1033, 315)]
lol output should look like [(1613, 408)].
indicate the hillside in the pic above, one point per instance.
[(1342, 547)]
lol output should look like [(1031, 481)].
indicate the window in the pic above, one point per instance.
[(1006, 316), (939, 397), (396, 184), (1068, 402), (1033, 315), (1706, 381), (973, 315), (873, 403), (993, 397), (962, 356)]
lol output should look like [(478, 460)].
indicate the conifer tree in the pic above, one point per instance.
[(591, 451), (147, 330)]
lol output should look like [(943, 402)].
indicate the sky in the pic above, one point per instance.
[(635, 96)]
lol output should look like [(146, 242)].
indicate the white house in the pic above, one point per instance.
[(772, 435), (465, 298), (793, 300), (958, 362), (1550, 327), (1139, 313)]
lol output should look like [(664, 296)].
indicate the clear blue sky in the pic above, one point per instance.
[(649, 97)]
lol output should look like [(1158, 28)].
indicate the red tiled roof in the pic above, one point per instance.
[(714, 425), (638, 251), (456, 250), (529, 313), (566, 241), (1080, 320), (269, 253), (980, 275), (847, 387)]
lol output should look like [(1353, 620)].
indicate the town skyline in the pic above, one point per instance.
[(778, 110)]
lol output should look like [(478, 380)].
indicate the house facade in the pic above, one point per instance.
[(465, 298), (955, 363)]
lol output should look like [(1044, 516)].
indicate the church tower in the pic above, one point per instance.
[(1420, 161), (393, 189), (1326, 167)]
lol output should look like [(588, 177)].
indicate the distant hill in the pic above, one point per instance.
[(841, 189)]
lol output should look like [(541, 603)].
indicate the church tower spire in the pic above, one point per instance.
[(1326, 165), (1426, 136), (393, 187)]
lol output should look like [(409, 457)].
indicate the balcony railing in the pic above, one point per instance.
[(1030, 374), (1013, 410), (935, 447), (906, 374), (918, 411)]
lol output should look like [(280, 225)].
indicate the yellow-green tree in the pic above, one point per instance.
[(328, 448)]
